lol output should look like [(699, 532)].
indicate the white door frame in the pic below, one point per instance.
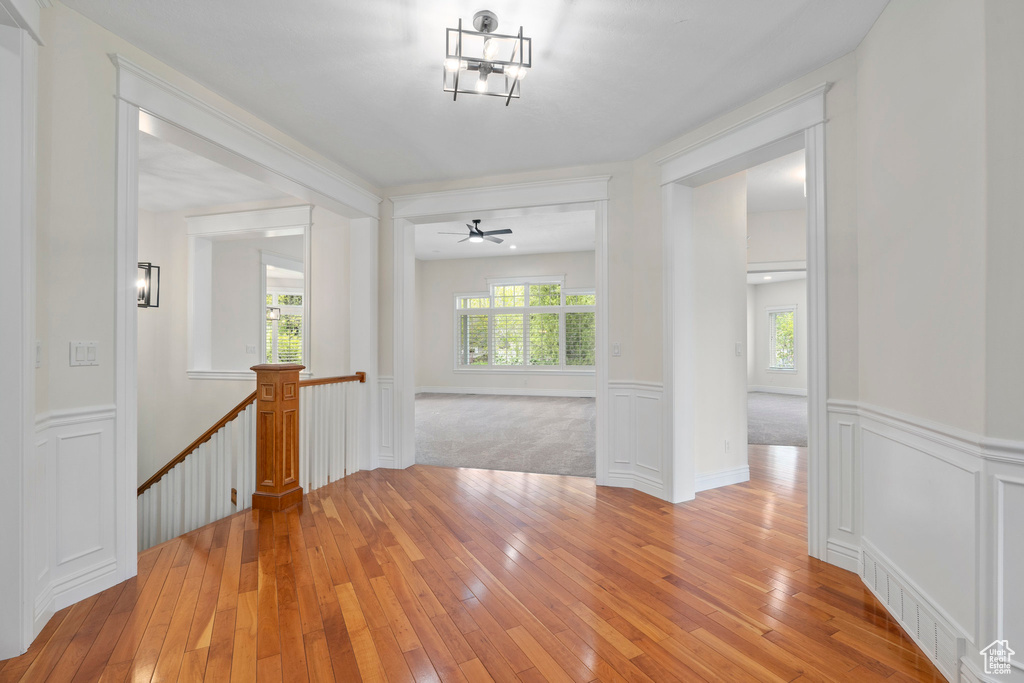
[(19, 516), (217, 135), (581, 193), (799, 122)]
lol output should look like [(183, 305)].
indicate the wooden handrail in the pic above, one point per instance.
[(231, 415)]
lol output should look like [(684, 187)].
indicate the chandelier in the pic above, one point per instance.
[(482, 62)]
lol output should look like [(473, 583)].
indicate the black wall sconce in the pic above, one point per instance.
[(149, 285)]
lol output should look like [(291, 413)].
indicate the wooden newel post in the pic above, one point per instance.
[(277, 436)]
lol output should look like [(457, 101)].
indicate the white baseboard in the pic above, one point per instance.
[(713, 480), (629, 480), (766, 389), (509, 391), (844, 555), (924, 621)]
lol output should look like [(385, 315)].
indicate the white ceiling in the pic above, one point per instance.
[(543, 233), (360, 81), (777, 185), (768, 278), (174, 179)]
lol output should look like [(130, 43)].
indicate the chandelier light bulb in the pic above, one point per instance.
[(452, 64), (481, 83), (490, 48)]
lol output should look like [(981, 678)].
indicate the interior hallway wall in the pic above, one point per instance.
[(719, 241)]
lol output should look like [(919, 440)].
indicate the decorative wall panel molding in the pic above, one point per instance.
[(930, 515), (636, 437), (386, 394)]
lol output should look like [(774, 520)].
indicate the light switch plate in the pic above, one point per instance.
[(739, 348), (84, 353), (616, 349), (250, 349)]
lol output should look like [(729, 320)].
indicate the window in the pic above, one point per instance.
[(781, 340), (284, 327), (535, 326)]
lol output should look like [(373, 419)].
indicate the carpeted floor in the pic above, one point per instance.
[(776, 419), (539, 434)]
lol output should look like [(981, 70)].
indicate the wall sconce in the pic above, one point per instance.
[(148, 285), (273, 313)]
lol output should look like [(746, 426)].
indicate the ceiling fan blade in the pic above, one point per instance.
[(461, 241), (471, 228), (493, 239), (504, 231)]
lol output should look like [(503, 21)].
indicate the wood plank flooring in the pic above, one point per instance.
[(434, 574)]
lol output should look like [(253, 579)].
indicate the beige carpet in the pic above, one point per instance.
[(776, 419), (547, 435)]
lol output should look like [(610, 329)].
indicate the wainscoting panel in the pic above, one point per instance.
[(1009, 551), (75, 535), (386, 393), (636, 438), (920, 507), (933, 516)]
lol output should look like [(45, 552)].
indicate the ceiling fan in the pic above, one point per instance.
[(478, 235)]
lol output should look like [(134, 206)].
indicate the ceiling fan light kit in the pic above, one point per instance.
[(482, 62), (477, 235)]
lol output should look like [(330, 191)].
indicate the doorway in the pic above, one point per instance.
[(509, 382), (514, 202)]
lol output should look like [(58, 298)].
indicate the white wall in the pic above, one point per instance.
[(777, 236), (436, 284), (235, 297), (775, 295), (719, 241)]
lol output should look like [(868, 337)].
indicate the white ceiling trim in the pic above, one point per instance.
[(522, 195), (249, 221), (151, 93), (785, 120)]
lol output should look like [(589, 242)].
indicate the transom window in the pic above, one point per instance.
[(537, 325), (781, 339)]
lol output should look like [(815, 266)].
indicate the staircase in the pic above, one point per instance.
[(215, 476)]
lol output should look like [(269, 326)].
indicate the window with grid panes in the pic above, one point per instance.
[(284, 335), (538, 326)]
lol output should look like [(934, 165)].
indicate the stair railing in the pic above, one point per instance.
[(215, 475)]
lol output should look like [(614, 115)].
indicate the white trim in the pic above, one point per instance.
[(844, 555), (509, 391), (364, 330), (777, 123), (126, 350), (775, 266), (409, 209), (525, 280), (797, 122), (728, 477), (907, 603), (74, 416), (632, 384), (768, 389), (969, 443), (521, 195), (277, 220), (147, 91), (26, 16), (233, 375)]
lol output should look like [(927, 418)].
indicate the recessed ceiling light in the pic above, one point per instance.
[(511, 246), (767, 277)]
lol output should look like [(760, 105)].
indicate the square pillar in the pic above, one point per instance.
[(277, 436)]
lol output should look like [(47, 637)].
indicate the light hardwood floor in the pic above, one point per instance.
[(472, 575)]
